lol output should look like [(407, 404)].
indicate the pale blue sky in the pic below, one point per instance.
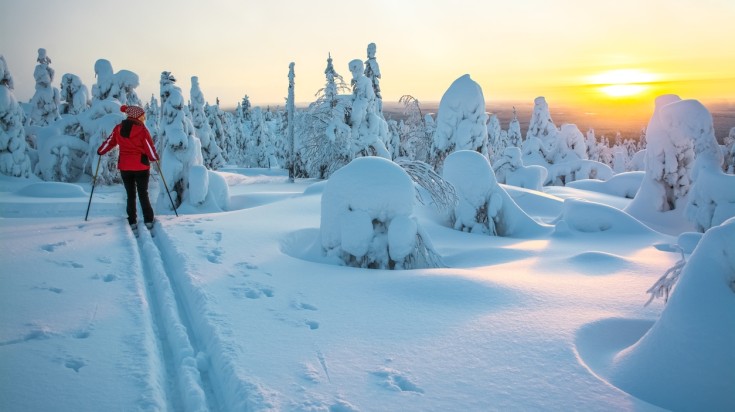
[(515, 49)]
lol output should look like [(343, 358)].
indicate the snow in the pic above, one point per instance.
[(237, 310)]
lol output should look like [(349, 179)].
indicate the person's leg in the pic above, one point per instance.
[(128, 179), (142, 178)]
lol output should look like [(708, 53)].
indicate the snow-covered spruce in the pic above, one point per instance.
[(369, 128), (541, 135), (367, 218), (324, 135), (460, 122), (181, 161), (669, 160), (14, 158), (211, 153), (75, 96), (483, 206), (45, 101), (694, 333), (711, 198)]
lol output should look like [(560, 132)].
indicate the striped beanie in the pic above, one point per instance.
[(133, 112)]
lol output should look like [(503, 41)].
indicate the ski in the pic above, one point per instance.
[(134, 228)]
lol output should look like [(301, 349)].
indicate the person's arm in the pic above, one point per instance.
[(148, 145), (109, 143)]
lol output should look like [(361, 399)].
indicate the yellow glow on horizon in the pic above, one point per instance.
[(623, 82), (624, 90)]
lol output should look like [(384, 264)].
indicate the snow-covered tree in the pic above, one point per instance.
[(570, 145), (669, 160), (729, 152), (119, 86), (369, 129), (14, 153), (515, 138), (290, 112), (367, 218), (181, 158), (211, 153), (372, 72), (484, 206), (325, 135), (152, 121), (45, 101), (263, 147), (460, 123), (711, 198), (75, 96), (415, 141), (541, 125), (222, 127), (495, 143)]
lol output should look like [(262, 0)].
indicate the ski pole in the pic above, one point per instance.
[(163, 179), (94, 180)]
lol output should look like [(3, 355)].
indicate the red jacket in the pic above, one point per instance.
[(136, 146)]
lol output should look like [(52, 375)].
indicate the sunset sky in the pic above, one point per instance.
[(621, 52)]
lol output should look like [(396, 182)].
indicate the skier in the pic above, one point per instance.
[(136, 154)]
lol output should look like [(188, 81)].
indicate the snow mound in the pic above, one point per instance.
[(52, 189), (686, 360), (622, 184), (590, 217), (599, 263)]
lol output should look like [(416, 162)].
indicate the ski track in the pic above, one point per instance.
[(201, 364), (186, 389)]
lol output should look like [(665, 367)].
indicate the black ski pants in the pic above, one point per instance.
[(137, 180)]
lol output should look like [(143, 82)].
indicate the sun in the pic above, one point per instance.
[(623, 82)]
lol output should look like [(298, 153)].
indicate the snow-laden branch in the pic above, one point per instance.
[(663, 286), (443, 194)]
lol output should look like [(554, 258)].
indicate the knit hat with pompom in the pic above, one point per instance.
[(133, 112)]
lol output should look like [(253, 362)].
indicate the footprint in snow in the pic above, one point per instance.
[(50, 247), (75, 363), (69, 264), (396, 380), (252, 291)]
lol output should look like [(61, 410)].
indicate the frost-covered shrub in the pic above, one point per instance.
[(367, 218), (509, 169), (686, 360), (460, 122), (483, 206)]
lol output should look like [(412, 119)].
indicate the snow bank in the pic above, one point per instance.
[(590, 217), (686, 361), (367, 218), (52, 189), (622, 184)]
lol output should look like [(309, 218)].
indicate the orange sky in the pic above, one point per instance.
[(516, 50)]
